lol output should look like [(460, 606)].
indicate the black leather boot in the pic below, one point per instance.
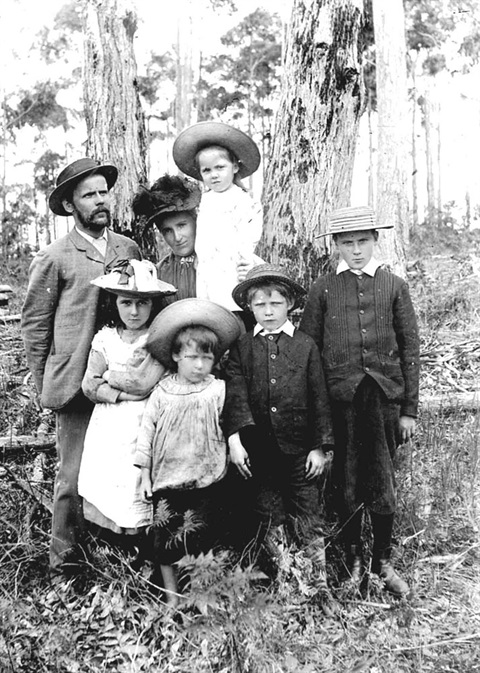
[(381, 565)]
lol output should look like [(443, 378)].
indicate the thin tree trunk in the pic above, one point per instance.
[(393, 132), (414, 145), (115, 122), (311, 163), (183, 102)]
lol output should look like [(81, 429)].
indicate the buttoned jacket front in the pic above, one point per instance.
[(59, 316), (277, 384), (365, 326)]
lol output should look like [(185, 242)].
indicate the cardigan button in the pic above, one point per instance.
[(273, 380), (274, 409), (273, 356)]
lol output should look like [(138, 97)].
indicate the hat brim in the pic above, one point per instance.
[(55, 201), (204, 134), (186, 313), (344, 230), (163, 289), (239, 292)]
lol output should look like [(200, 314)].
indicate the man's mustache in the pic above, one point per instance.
[(100, 209)]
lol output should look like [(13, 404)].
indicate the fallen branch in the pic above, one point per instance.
[(31, 488), (18, 442)]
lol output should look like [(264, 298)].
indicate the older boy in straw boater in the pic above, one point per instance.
[(277, 418), (181, 448), (229, 223), (362, 319)]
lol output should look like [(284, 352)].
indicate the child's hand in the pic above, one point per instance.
[(315, 463), (239, 456), (146, 484), (407, 426), (243, 267)]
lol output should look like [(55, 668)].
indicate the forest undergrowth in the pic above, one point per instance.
[(230, 621)]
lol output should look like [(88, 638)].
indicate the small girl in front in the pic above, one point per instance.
[(119, 377), (181, 449), (229, 223)]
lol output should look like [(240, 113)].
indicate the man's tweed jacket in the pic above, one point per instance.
[(59, 317)]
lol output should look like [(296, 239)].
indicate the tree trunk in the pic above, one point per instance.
[(115, 122), (311, 164), (426, 107), (393, 130), (414, 144), (183, 101)]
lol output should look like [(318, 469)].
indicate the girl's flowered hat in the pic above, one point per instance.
[(204, 134), (189, 313), (136, 279)]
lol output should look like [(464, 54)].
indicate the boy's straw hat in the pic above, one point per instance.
[(136, 279), (261, 274), (353, 218), (204, 134), (187, 313), (72, 175)]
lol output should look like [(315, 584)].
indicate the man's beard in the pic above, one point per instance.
[(89, 223)]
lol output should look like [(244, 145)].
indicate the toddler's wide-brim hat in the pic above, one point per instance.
[(353, 218), (265, 273), (204, 134), (187, 313), (72, 174), (136, 279)]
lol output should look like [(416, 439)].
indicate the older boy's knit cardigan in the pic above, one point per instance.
[(365, 326)]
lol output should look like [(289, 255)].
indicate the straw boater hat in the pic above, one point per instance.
[(169, 194), (134, 278), (187, 313), (72, 175), (264, 273), (204, 134), (353, 218)]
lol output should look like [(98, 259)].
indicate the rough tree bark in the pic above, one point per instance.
[(115, 122), (310, 170), (393, 130)]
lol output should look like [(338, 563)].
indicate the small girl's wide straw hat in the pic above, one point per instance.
[(205, 134), (136, 279), (353, 218), (188, 313)]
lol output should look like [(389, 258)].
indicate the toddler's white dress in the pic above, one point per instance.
[(229, 226)]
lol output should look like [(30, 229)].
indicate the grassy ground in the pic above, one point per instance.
[(229, 623)]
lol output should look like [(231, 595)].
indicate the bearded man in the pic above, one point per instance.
[(60, 316)]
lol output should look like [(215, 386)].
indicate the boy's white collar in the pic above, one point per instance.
[(287, 327), (369, 268)]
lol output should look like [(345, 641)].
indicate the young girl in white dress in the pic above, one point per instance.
[(181, 449), (119, 378), (229, 222)]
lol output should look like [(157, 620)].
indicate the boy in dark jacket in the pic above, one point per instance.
[(362, 319), (277, 416)]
